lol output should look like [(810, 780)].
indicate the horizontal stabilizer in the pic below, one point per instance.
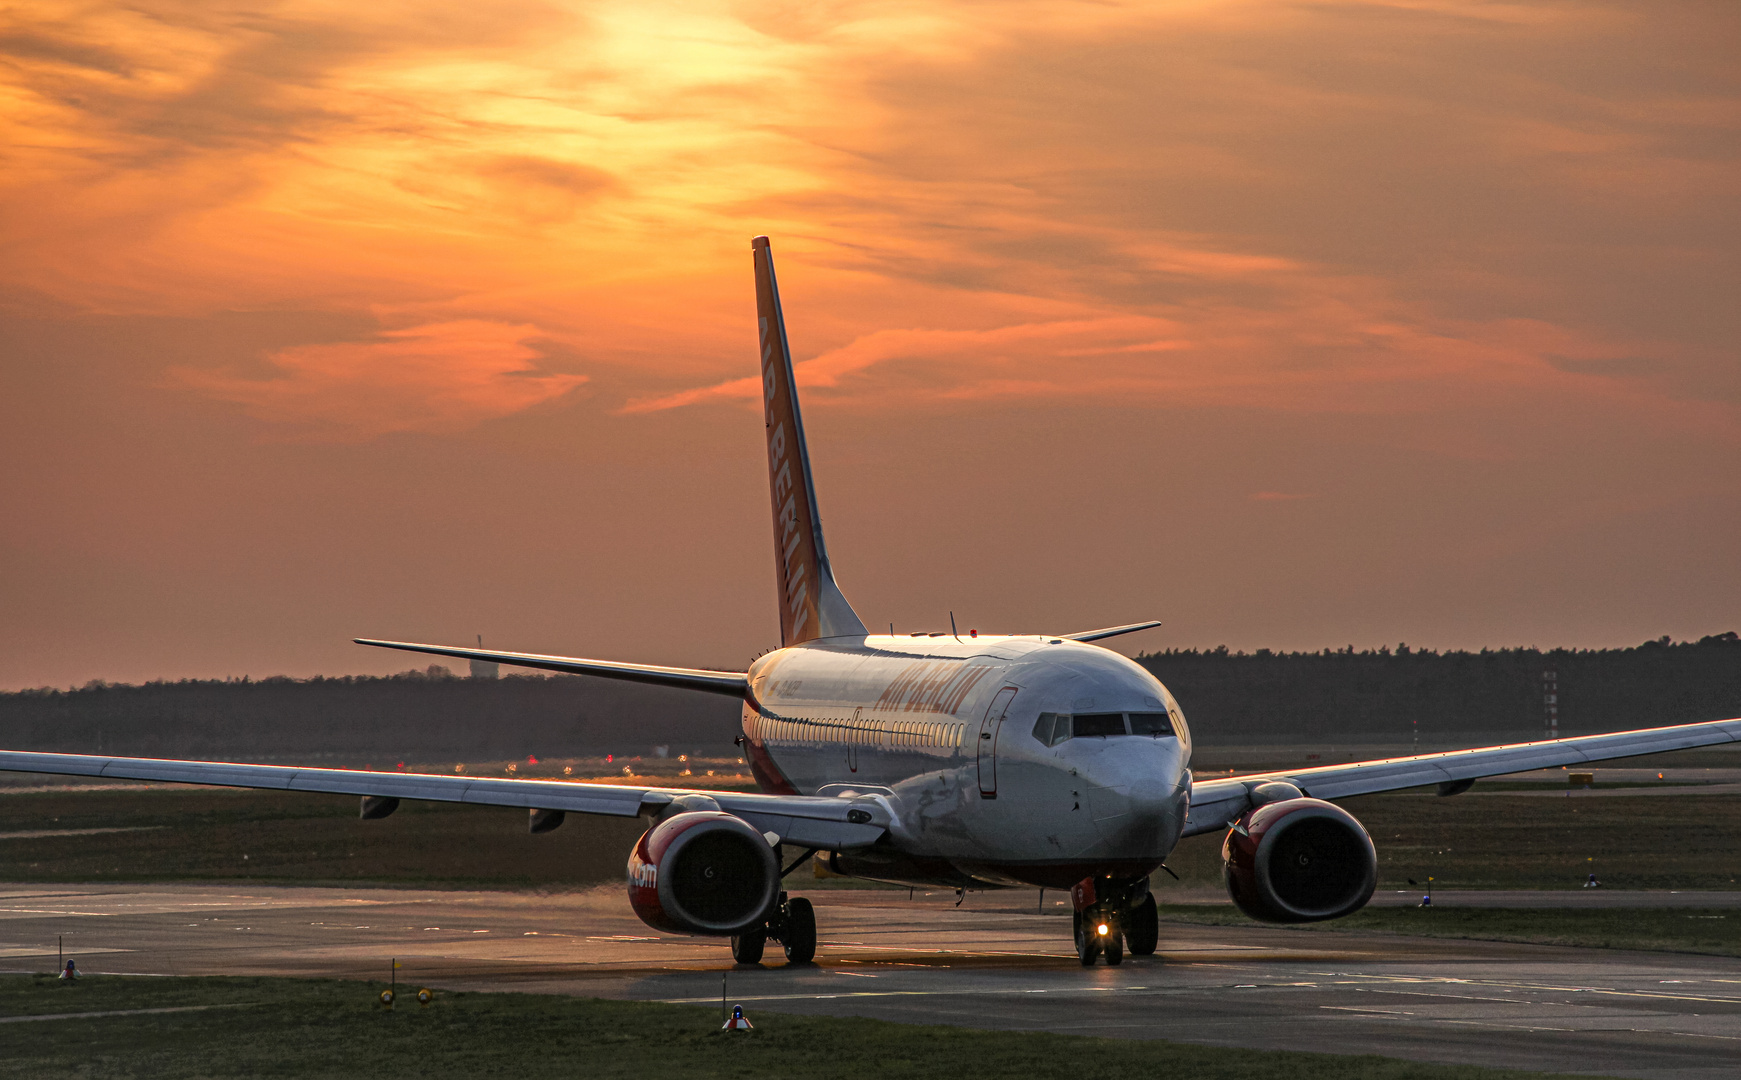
[(712, 682), (1111, 631)]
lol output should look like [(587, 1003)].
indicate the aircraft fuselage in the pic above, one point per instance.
[(948, 730)]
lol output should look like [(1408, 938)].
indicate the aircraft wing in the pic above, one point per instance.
[(806, 821), (714, 682), (1218, 801), (1111, 631)]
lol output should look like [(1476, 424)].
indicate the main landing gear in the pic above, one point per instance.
[(1112, 916), (793, 925)]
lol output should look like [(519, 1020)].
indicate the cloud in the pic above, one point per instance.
[(1607, 365), (442, 377), (1173, 204)]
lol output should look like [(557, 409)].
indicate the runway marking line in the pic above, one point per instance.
[(1540, 987), (124, 1012)]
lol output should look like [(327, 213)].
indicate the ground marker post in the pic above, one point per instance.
[(392, 990), (723, 1015)]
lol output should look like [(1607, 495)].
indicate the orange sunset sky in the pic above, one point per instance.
[(1292, 324)]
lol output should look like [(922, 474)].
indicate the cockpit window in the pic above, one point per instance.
[(1086, 724), (1151, 723), (1054, 728)]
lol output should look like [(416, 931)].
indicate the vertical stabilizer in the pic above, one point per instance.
[(811, 604)]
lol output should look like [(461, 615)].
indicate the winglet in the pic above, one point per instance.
[(811, 603)]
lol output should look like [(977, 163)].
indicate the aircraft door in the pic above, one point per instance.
[(987, 742), (854, 731)]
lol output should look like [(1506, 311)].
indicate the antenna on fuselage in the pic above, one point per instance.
[(956, 634)]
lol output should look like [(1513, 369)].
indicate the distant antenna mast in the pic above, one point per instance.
[(484, 669), (1551, 701)]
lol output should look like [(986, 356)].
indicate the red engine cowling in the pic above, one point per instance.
[(704, 872), (1299, 860)]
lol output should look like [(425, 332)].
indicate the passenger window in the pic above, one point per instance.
[(1086, 724), (1043, 728), (1151, 723)]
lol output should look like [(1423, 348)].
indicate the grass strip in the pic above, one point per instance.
[(331, 1028), (1714, 931)]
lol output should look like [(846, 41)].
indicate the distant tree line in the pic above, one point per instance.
[(1385, 694), (426, 715), (1230, 698)]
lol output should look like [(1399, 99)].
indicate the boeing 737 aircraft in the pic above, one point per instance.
[(934, 759)]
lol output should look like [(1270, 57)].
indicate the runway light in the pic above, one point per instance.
[(1102, 928)]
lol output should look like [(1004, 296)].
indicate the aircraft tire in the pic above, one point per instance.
[(1114, 948), (800, 934), (1087, 948), (747, 948), (1145, 928)]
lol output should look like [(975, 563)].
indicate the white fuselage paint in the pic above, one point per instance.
[(971, 795)]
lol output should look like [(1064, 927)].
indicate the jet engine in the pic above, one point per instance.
[(1298, 860), (703, 872)]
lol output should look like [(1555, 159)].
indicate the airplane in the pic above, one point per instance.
[(933, 759)]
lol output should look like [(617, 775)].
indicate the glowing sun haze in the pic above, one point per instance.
[(1291, 324)]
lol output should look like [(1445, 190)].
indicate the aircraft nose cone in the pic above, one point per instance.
[(1149, 796), (1133, 821), (1137, 820)]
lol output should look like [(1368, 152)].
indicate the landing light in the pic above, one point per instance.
[(1102, 929)]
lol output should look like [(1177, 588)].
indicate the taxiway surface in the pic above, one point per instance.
[(989, 963)]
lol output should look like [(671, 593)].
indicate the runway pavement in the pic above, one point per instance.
[(991, 963)]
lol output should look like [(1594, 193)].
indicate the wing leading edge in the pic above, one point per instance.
[(1215, 803), (713, 682), (808, 821)]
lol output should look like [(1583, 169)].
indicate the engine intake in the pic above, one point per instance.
[(1299, 860), (705, 872)]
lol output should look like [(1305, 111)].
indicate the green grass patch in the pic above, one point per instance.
[(192, 834), (328, 1028), (1716, 931), (182, 834)]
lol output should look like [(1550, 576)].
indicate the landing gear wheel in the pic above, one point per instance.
[(747, 948), (1087, 947), (800, 933), (1114, 948), (1144, 928)]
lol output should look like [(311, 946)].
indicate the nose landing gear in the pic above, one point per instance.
[(1098, 934), (1111, 915), (792, 924)]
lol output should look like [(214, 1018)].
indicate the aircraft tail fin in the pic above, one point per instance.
[(811, 603)]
